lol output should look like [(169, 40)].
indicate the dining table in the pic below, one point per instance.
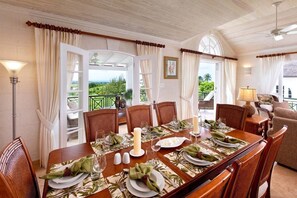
[(181, 177)]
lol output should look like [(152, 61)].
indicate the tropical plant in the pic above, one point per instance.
[(207, 77)]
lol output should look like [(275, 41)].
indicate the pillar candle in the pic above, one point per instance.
[(137, 141), (195, 124)]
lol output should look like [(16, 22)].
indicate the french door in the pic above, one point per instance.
[(73, 94)]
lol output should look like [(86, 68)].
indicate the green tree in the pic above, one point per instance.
[(116, 86), (207, 77), (200, 79)]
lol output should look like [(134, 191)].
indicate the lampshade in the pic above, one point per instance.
[(13, 67), (247, 94)]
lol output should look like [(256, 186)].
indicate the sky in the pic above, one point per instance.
[(104, 75)]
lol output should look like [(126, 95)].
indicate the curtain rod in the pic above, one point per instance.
[(278, 54), (64, 29), (206, 54)]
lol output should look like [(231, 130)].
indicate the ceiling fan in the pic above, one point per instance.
[(278, 33)]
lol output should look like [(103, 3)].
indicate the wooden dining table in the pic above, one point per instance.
[(190, 182)]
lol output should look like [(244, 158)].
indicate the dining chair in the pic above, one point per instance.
[(103, 119), (262, 179), (244, 170), (137, 114), (215, 188), (17, 176), (235, 115), (165, 112)]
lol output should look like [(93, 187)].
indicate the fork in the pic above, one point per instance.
[(123, 189)]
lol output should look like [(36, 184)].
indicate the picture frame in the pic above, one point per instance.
[(170, 67)]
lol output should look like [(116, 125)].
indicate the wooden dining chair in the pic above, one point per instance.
[(262, 179), (244, 170), (17, 176), (103, 119), (165, 112), (137, 114), (235, 115), (215, 188)]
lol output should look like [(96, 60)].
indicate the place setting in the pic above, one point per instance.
[(76, 178), (193, 159), (224, 143), (217, 126), (177, 125), (109, 141)]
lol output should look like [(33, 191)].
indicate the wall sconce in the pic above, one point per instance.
[(13, 68), (247, 69)]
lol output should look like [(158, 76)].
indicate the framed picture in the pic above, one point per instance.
[(170, 67)]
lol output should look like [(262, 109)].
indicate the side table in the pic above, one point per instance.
[(257, 125)]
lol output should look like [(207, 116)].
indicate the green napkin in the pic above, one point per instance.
[(183, 124), (84, 165), (194, 151), (213, 124), (157, 130), (115, 138), (223, 138), (142, 172)]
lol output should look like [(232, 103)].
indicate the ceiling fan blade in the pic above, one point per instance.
[(289, 28), (292, 32)]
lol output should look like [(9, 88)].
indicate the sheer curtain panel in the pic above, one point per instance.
[(189, 79), (229, 78), (148, 68), (47, 46), (269, 70)]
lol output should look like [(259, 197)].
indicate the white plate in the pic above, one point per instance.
[(196, 161), (134, 155), (140, 186), (171, 142), (55, 185), (151, 193), (107, 139), (225, 144), (67, 179)]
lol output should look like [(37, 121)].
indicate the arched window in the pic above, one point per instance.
[(209, 44)]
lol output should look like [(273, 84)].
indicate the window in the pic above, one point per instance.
[(210, 45)]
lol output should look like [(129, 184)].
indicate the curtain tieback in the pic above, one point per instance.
[(186, 99), (44, 121)]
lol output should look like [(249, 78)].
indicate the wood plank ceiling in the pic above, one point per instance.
[(244, 23)]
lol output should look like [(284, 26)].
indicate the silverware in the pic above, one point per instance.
[(168, 179)]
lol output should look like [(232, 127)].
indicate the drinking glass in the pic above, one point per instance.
[(222, 122), (175, 123), (101, 138), (144, 128), (155, 146), (99, 164)]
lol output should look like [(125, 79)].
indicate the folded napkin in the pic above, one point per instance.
[(223, 138), (157, 130), (213, 124), (84, 165), (115, 138), (194, 151), (183, 124), (142, 172)]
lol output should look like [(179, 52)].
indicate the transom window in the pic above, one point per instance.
[(209, 44)]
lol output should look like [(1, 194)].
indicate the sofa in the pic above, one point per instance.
[(287, 154)]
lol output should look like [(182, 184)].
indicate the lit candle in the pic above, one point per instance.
[(137, 141), (195, 124)]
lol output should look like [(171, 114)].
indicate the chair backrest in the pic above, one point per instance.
[(215, 188), (165, 112), (105, 119), (235, 115), (137, 114), (267, 159), (17, 176), (244, 170)]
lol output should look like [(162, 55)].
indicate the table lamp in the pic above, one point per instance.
[(13, 68), (248, 95)]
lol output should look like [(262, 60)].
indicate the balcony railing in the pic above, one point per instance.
[(292, 103), (98, 101)]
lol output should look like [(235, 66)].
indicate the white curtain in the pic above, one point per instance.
[(228, 82), (269, 70), (147, 69), (189, 79), (47, 46)]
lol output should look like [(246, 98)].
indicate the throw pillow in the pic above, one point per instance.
[(265, 98), (284, 104)]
